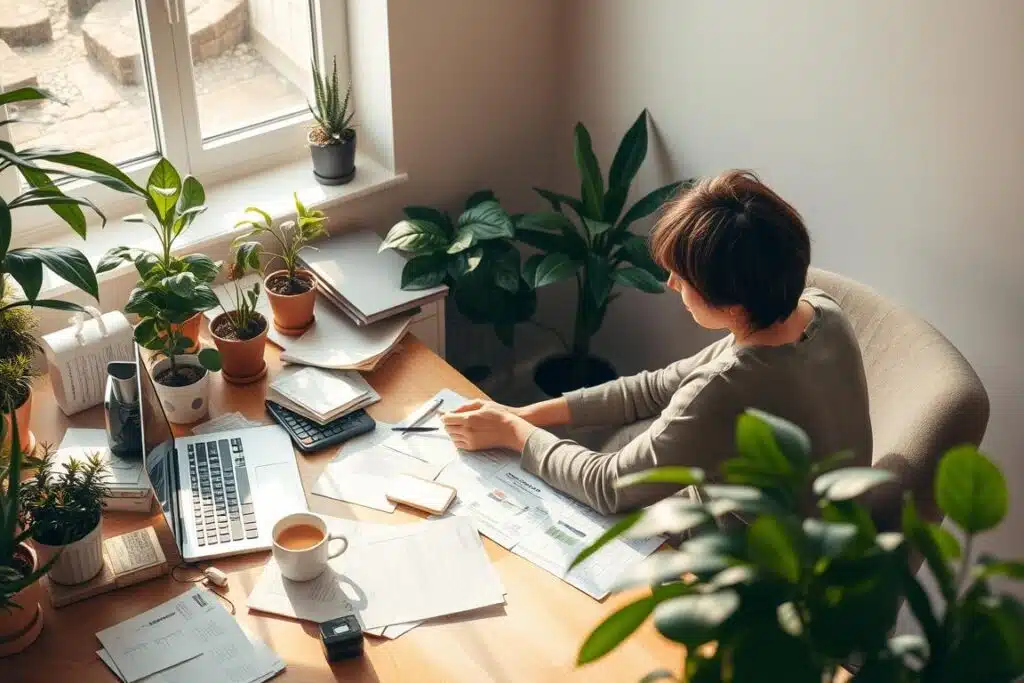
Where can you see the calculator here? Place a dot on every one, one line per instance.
(310, 436)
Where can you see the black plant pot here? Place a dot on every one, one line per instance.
(559, 374)
(334, 164)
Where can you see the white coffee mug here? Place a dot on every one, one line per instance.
(307, 563)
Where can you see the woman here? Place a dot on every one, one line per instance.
(737, 254)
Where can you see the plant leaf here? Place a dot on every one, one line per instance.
(648, 204)
(668, 565)
(619, 625)
(629, 157)
(70, 214)
(591, 182)
(695, 619)
(464, 239)
(990, 566)
(414, 236)
(505, 269)
(487, 221)
(424, 272)
(552, 268)
(428, 214)
(556, 199)
(25, 94)
(105, 172)
(633, 249)
(755, 441)
(828, 539)
(670, 516)
(67, 263)
(946, 541)
(545, 241)
(916, 531)
(209, 358)
(479, 197)
(774, 547)
(971, 489)
(631, 276)
(163, 187)
(682, 476)
(850, 482)
(6, 229)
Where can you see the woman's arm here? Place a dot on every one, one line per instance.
(550, 413)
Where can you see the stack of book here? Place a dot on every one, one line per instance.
(321, 395)
(362, 280)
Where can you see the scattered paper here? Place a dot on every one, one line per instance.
(225, 423)
(318, 600)
(156, 639)
(126, 474)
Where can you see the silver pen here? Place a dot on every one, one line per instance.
(421, 415)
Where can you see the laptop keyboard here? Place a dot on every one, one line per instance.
(222, 504)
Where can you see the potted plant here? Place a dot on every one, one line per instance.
(172, 292)
(291, 290)
(18, 347)
(596, 247)
(474, 256)
(41, 169)
(332, 142)
(241, 333)
(64, 506)
(21, 616)
(790, 597)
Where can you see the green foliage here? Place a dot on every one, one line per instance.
(473, 255)
(332, 112)
(18, 347)
(791, 598)
(64, 503)
(171, 289)
(14, 527)
(589, 237)
(289, 238)
(245, 320)
(42, 169)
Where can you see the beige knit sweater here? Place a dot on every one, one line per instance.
(817, 383)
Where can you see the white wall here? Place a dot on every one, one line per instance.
(896, 128)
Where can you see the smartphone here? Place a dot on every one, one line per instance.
(428, 496)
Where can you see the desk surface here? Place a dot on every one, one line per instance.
(534, 637)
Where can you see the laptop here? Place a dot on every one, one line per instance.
(221, 492)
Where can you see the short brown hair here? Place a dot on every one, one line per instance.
(737, 242)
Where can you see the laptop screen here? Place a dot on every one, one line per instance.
(158, 450)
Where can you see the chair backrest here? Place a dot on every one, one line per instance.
(924, 396)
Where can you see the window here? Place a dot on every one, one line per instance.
(217, 86)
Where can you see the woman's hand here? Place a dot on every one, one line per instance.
(479, 425)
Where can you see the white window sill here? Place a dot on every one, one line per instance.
(270, 190)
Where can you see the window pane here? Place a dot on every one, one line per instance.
(250, 60)
(89, 55)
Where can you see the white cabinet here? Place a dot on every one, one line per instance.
(428, 326)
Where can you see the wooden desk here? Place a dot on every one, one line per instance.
(534, 637)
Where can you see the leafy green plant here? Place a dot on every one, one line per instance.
(289, 238)
(15, 529)
(64, 506)
(171, 289)
(588, 237)
(245, 321)
(332, 113)
(18, 347)
(791, 598)
(473, 255)
(43, 169)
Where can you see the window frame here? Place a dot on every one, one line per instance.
(174, 108)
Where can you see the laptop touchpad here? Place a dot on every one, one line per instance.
(279, 487)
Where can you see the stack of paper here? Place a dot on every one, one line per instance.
(391, 577)
(321, 395)
(362, 280)
(336, 343)
(190, 639)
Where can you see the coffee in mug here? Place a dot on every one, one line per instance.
(302, 546)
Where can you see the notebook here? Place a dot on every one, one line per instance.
(321, 395)
(363, 281)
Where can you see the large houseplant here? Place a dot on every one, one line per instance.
(172, 293)
(42, 171)
(64, 509)
(21, 616)
(291, 290)
(473, 255)
(589, 238)
(240, 332)
(332, 141)
(794, 597)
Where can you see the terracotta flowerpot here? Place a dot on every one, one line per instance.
(184, 404)
(25, 436)
(241, 359)
(293, 313)
(79, 560)
(19, 628)
(190, 328)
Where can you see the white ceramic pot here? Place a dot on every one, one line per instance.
(183, 405)
(78, 561)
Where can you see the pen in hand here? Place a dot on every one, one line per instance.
(415, 430)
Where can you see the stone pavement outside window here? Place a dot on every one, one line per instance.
(88, 54)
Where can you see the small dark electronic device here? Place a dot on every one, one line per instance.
(341, 638)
